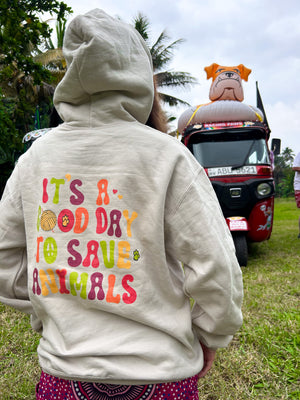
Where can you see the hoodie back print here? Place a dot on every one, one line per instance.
(98, 217)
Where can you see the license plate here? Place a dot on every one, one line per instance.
(238, 225)
(223, 171)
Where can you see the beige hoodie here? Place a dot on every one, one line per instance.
(97, 219)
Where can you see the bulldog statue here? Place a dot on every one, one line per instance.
(227, 81)
(226, 95)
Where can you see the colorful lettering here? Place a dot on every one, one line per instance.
(84, 253)
(57, 183)
(102, 186)
(74, 262)
(102, 222)
(80, 197)
(38, 223)
(62, 280)
(45, 280)
(79, 213)
(35, 286)
(123, 261)
(92, 249)
(129, 220)
(131, 296)
(96, 280)
(39, 240)
(45, 194)
(50, 250)
(110, 298)
(115, 216)
(79, 285)
(109, 263)
(65, 220)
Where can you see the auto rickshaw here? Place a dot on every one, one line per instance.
(237, 160)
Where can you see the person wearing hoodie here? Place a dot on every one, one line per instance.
(108, 228)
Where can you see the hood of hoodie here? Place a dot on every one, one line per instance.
(109, 73)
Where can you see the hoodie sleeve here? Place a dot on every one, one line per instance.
(199, 238)
(13, 258)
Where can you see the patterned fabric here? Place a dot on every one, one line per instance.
(297, 198)
(99, 391)
(51, 387)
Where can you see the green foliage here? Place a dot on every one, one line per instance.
(21, 31)
(53, 59)
(142, 24)
(7, 126)
(283, 173)
(60, 33)
(285, 186)
(162, 52)
(16, 119)
(9, 140)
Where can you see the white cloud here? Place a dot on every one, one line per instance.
(284, 122)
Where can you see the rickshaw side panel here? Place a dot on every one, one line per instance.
(261, 220)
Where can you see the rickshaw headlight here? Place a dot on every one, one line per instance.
(264, 189)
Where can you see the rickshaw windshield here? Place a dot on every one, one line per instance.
(221, 153)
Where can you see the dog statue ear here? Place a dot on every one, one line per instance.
(245, 72)
(210, 71)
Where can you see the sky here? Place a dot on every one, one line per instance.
(264, 35)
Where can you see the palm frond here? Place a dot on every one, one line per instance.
(57, 75)
(50, 56)
(171, 100)
(141, 24)
(49, 45)
(174, 79)
(162, 38)
(60, 32)
(161, 53)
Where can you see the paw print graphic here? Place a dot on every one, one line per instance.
(136, 255)
(65, 221)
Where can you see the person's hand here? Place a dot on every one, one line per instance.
(209, 356)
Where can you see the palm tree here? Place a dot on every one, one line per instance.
(162, 53)
(53, 58)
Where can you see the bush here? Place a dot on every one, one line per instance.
(10, 142)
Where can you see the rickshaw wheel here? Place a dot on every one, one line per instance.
(241, 248)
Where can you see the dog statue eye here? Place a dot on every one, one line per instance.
(237, 71)
(220, 70)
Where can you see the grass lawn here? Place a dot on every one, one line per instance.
(262, 362)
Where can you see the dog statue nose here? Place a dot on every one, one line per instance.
(229, 74)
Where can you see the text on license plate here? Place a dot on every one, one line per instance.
(246, 170)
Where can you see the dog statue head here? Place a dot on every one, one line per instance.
(227, 82)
